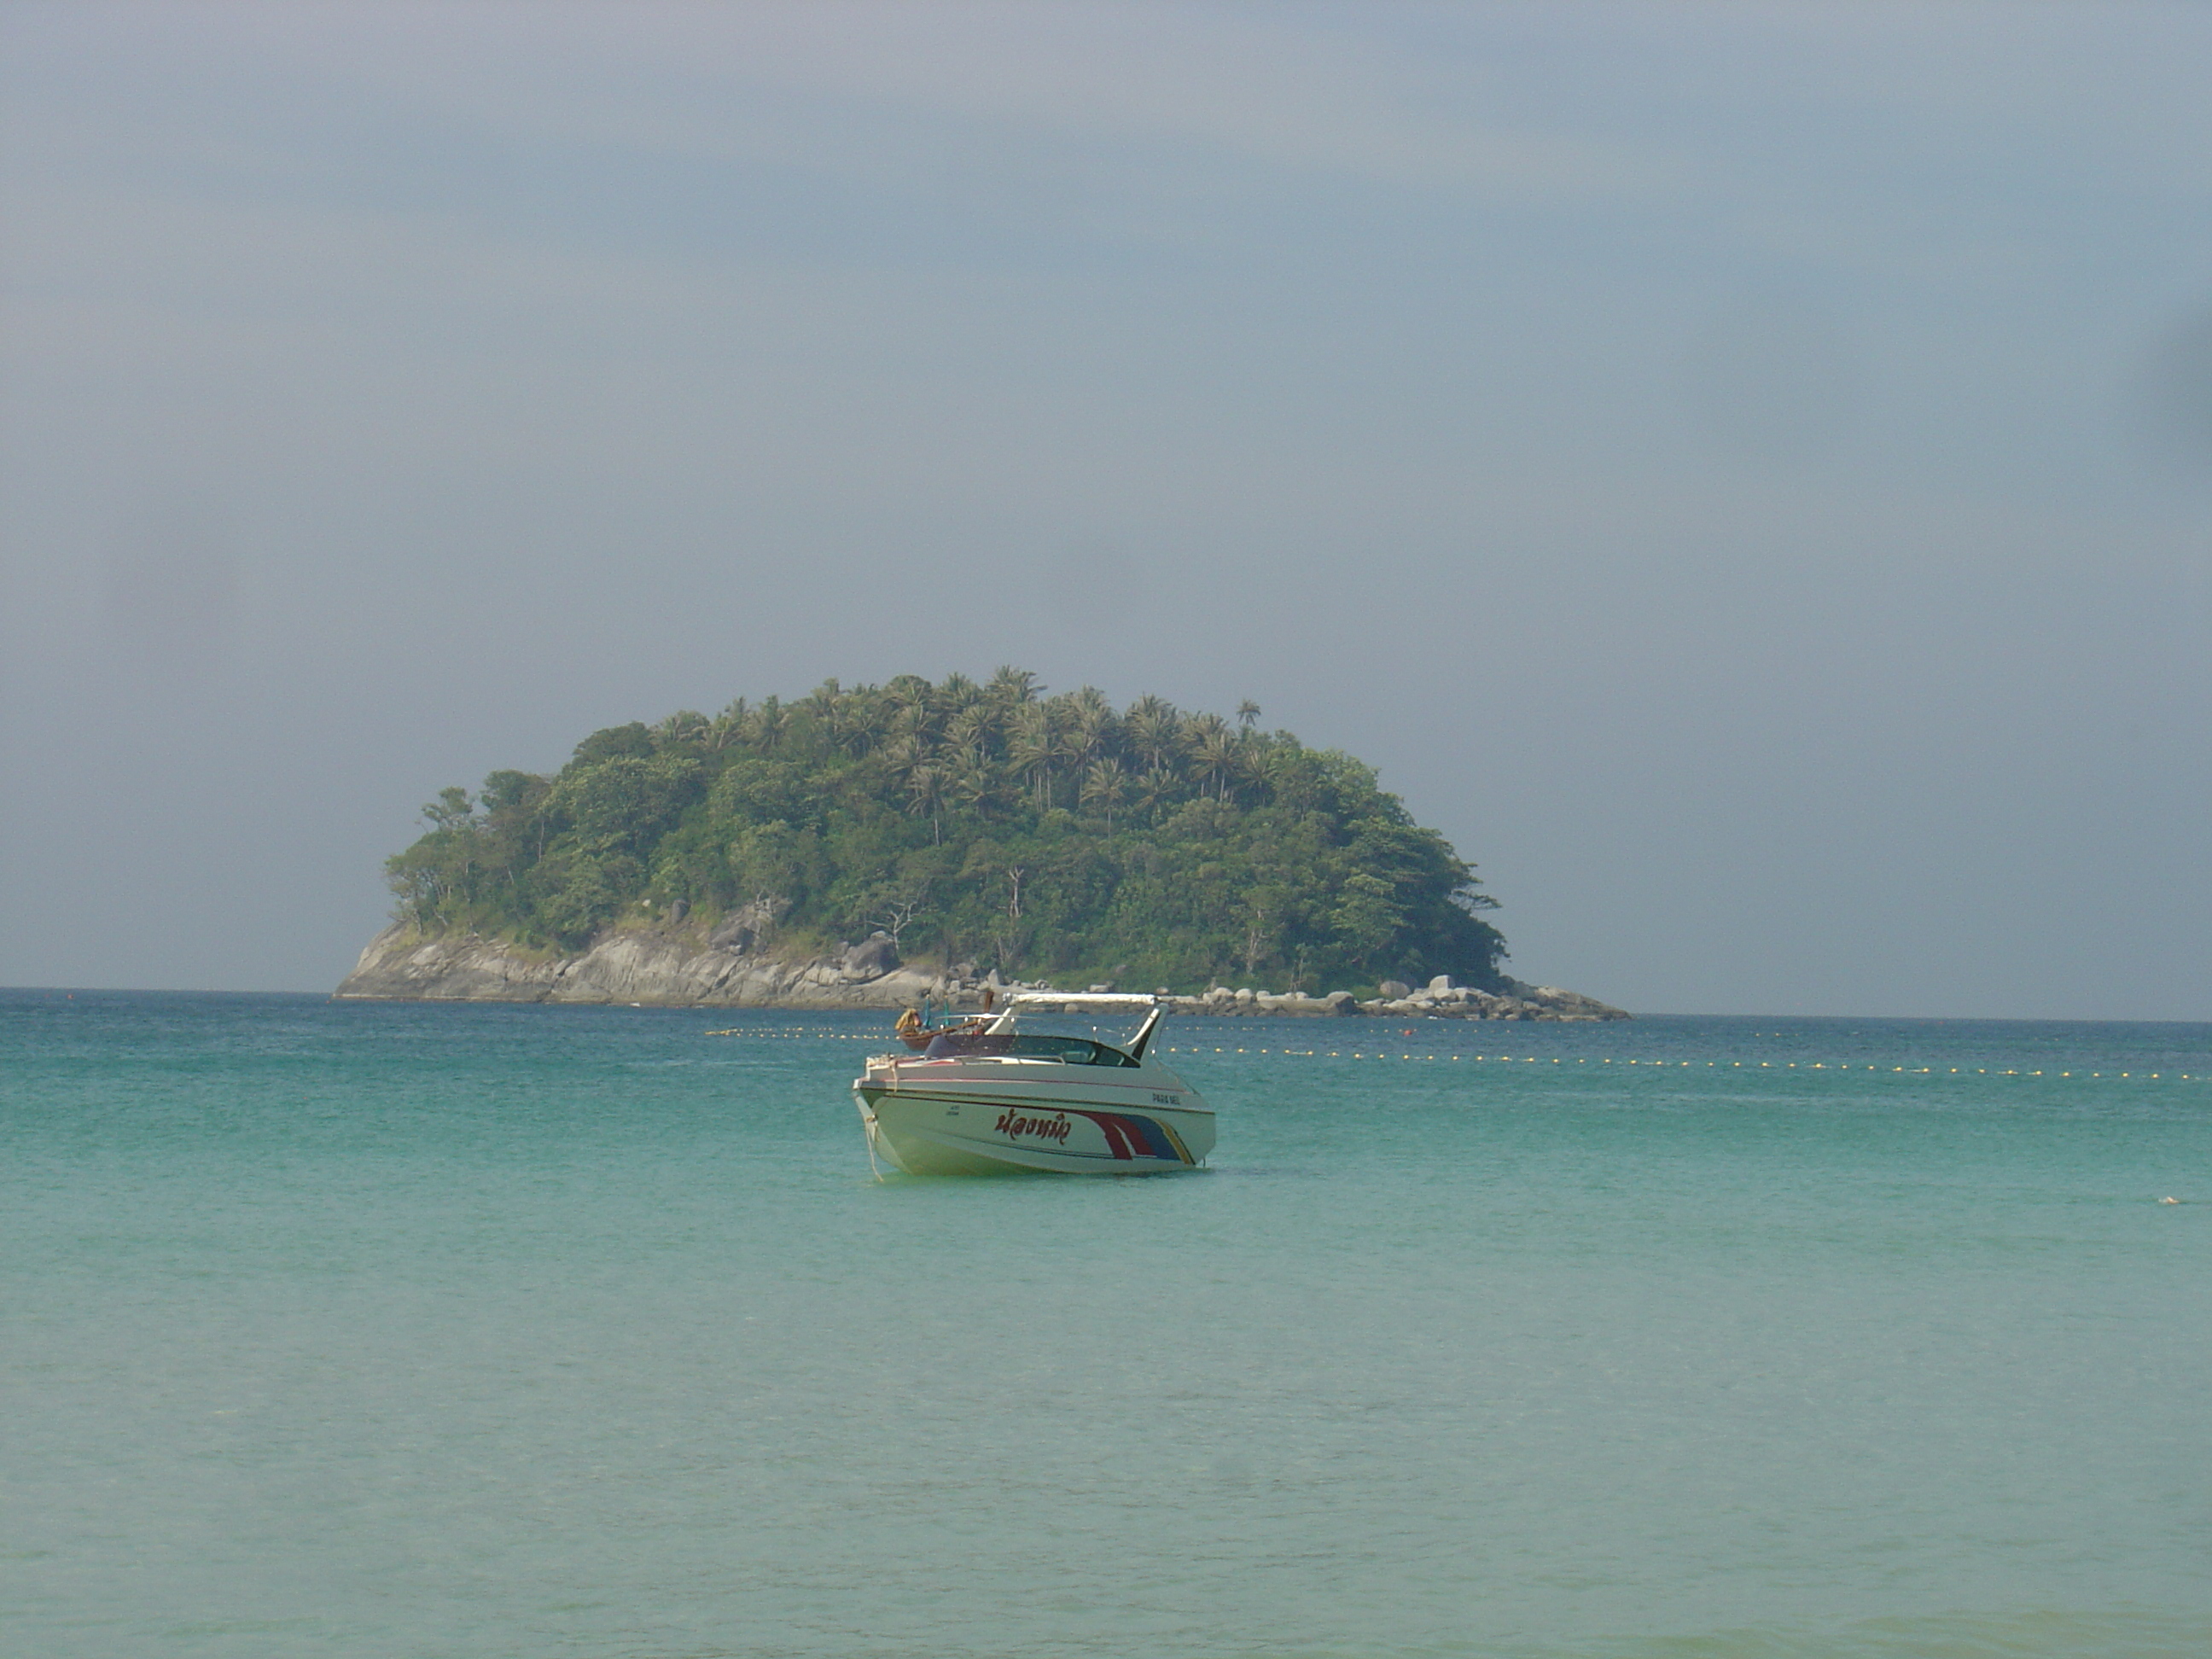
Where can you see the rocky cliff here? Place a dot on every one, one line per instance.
(644, 965)
(1440, 1000)
(673, 967)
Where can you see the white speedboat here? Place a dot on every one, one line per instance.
(1008, 1093)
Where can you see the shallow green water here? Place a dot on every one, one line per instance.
(467, 1331)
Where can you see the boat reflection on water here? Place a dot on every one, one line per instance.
(1007, 1092)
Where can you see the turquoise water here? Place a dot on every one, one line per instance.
(446, 1332)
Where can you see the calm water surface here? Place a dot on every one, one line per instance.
(434, 1332)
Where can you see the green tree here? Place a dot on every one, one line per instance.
(1182, 849)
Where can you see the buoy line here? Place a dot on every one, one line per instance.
(1731, 1065)
(1555, 1059)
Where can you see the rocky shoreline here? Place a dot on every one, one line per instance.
(674, 968)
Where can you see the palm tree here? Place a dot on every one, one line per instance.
(1106, 785)
(865, 717)
(970, 728)
(1155, 786)
(956, 692)
(906, 752)
(769, 724)
(1068, 747)
(908, 720)
(1213, 746)
(1248, 713)
(1090, 725)
(1031, 746)
(974, 782)
(1150, 728)
(684, 725)
(1010, 686)
(837, 716)
(1256, 761)
(727, 727)
(925, 788)
(908, 691)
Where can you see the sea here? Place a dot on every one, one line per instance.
(447, 1332)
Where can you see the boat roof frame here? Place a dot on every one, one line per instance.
(1156, 1007)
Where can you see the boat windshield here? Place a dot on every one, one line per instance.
(1027, 1045)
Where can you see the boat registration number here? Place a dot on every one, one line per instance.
(1167, 1100)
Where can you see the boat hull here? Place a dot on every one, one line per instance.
(955, 1118)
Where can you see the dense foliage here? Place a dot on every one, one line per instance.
(976, 823)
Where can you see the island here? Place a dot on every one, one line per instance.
(871, 846)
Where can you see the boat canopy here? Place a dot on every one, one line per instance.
(1068, 1001)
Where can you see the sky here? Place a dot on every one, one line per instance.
(1743, 472)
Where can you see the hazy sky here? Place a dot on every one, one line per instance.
(1743, 472)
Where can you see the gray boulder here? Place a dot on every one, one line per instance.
(746, 928)
(872, 958)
